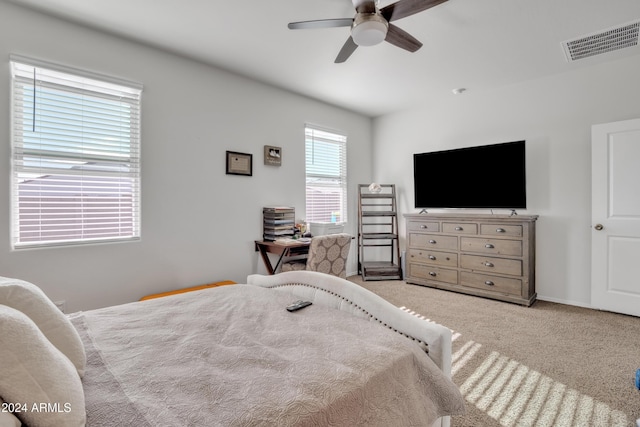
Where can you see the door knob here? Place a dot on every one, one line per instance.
(598, 227)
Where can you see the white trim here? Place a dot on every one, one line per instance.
(565, 302)
(325, 129)
(79, 72)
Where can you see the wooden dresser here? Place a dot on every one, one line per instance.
(486, 255)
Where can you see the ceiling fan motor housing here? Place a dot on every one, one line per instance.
(369, 29)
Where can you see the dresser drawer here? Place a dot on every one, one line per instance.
(433, 241)
(501, 230)
(493, 265)
(459, 228)
(503, 285)
(433, 273)
(491, 246)
(430, 257)
(432, 227)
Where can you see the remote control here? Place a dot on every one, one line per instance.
(298, 305)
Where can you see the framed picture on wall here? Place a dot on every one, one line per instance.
(239, 163)
(272, 155)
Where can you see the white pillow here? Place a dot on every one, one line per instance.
(7, 419)
(29, 299)
(34, 372)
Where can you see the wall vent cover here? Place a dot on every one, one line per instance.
(619, 37)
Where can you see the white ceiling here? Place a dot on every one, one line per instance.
(476, 44)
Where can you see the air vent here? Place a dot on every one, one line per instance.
(601, 42)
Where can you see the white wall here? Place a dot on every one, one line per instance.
(198, 224)
(554, 115)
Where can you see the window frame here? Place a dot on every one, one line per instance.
(109, 160)
(331, 177)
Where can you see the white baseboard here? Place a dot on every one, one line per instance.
(565, 302)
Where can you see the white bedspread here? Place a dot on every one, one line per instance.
(233, 356)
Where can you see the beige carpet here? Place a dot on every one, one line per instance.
(546, 365)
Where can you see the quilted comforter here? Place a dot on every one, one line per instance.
(234, 356)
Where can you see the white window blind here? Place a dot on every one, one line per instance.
(75, 156)
(326, 174)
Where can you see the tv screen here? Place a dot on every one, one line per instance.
(488, 176)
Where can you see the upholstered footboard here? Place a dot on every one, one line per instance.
(347, 296)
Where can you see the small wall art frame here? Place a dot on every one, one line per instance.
(239, 163)
(272, 155)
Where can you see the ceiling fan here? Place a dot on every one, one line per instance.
(372, 26)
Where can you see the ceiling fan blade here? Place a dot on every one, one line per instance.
(321, 23)
(399, 37)
(404, 8)
(365, 6)
(347, 49)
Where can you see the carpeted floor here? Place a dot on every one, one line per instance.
(546, 365)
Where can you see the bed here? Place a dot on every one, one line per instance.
(225, 356)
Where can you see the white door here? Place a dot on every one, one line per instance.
(615, 215)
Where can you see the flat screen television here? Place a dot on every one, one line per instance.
(487, 176)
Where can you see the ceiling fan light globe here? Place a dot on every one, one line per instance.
(369, 32)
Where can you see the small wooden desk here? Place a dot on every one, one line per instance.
(266, 247)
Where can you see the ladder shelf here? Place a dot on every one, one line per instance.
(377, 230)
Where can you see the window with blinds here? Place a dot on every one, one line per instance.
(326, 175)
(75, 156)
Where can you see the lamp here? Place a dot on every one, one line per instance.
(369, 29)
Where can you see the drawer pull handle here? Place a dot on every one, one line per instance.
(488, 264)
(489, 283)
(432, 274)
(489, 246)
(432, 258)
(500, 230)
(423, 226)
(459, 228)
(433, 242)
